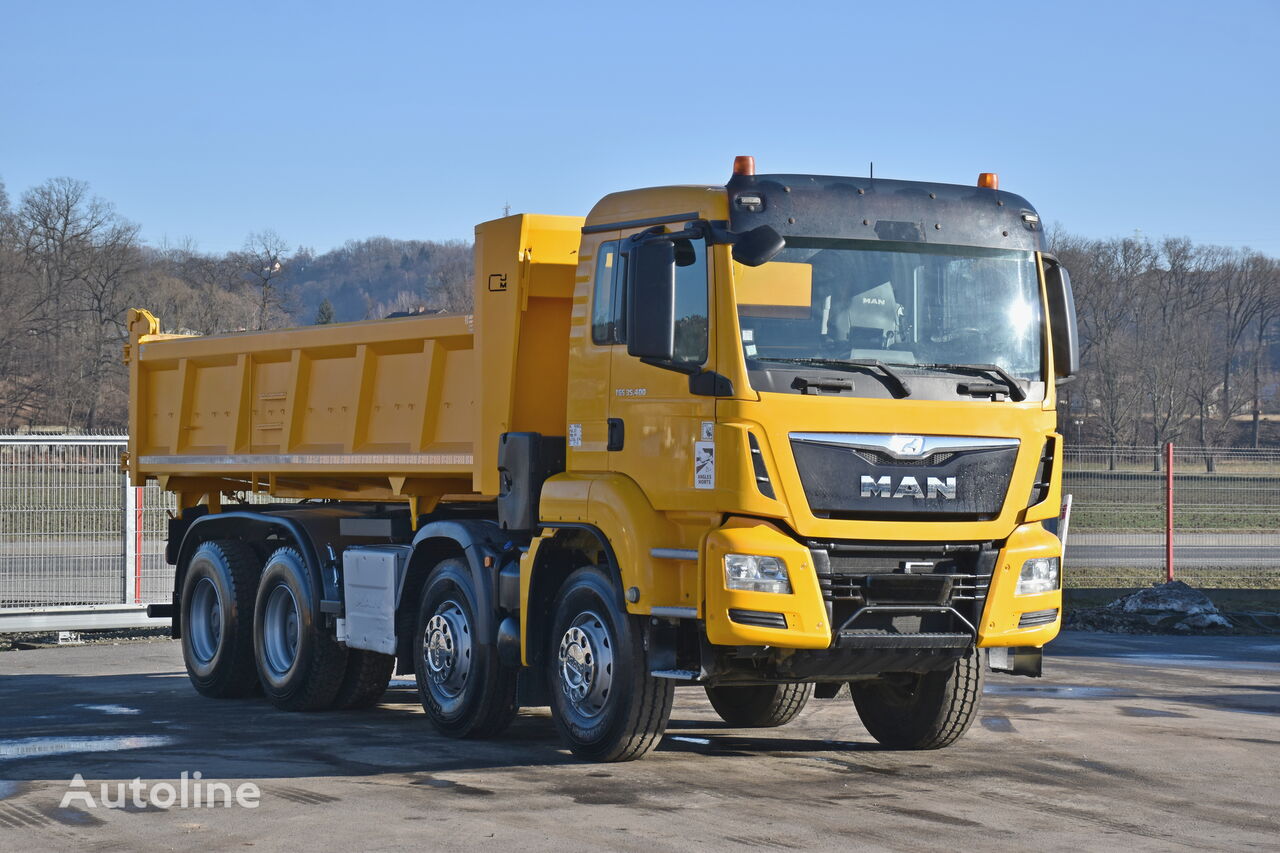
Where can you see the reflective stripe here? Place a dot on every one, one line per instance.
(673, 554)
(674, 612)
(267, 460)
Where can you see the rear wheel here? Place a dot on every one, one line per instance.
(368, 674)
(605, 704)
(759, 706)
(217, 618)
(464, 688)
(921, 710)
(300, 664)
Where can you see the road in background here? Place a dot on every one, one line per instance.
(1141, 743)
(1146, 550)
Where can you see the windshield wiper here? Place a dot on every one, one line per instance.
(896, 382)
(1015, 390)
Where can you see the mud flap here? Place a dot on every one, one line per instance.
(1016, 660)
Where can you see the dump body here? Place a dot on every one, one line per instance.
(402, 409)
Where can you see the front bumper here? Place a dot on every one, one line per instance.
(952, 603)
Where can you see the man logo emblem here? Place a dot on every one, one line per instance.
(935, 488)
(906, 445)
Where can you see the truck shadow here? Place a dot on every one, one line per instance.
(154, 726)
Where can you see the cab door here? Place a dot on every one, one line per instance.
(660, 434)
(591, 354)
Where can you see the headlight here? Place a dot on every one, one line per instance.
(1038, 575)
(757, 574)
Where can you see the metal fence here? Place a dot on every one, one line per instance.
(1226, 516)
(81, 548)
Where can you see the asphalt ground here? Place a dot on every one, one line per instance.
(1134, 743)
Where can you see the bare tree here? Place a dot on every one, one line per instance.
(77, 253)
(1107, 275)
(221, 299)
(102, 299)
(264, 262)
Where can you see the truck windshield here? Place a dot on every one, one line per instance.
(928, 306)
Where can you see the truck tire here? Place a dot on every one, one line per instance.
(606, 705)
(300, 664)
(368, 674)
(217, 618)
(759, 706)
(464, 688)
(921, 711)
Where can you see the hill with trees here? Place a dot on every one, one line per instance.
(1180, 340)
(71, 265)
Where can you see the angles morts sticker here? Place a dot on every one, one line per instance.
(704, 464)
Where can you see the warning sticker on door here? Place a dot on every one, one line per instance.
(704, 465)
(708, 430)
(575, 435)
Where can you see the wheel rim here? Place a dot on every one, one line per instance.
(446, 651)
(281, 630)
(586, 664)
(205, 621)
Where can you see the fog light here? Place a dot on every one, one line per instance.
(1039, 574)
(756, 574)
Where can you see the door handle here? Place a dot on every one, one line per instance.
(617, 434)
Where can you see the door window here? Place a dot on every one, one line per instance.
(609, 300)
(605, 312)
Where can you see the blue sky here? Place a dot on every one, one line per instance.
(328, 121)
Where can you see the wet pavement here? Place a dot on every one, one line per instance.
(1145, 743)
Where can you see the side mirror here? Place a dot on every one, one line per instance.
(651, 300)
(1062, 319)
(758, 246)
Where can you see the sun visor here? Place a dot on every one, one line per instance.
(845, 208)
(775, 289)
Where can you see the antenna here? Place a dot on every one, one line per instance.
(506, 209)
(872, 175)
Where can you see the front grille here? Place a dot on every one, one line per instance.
(876, 457)
(879, 588)
(842, 481)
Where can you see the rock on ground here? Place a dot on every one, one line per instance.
(1166, 608)
(1165, 599)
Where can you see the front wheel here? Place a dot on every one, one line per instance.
(464, 688)
(606, 705)
(759, 706)
(905, 710)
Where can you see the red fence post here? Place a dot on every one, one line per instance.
(1168, 512)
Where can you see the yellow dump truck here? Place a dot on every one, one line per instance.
(765, 438)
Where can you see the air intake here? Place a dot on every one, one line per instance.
(758, 618)
(1038, 617)
(763, 483)
(1044, 475)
